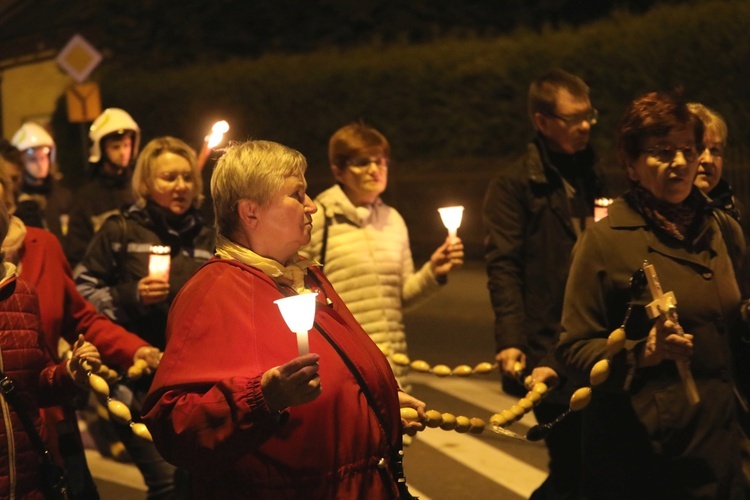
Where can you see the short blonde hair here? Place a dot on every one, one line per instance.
(143, 179)
(253, 170)
(712, 120)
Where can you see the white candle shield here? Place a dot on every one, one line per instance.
(452, 219)
(159, 262)
(298, 312)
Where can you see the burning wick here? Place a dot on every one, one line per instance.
(451, 219)
(298, 312)
(159, 262)
(211, 141)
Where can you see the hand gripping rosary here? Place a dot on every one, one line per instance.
(663, 305)
(100, 382)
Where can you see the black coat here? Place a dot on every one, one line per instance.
(108, 277)
(530, 236)
(642, 439)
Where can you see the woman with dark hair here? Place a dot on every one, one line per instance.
(642, 437)
(364, 243)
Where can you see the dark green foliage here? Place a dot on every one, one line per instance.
(446, 104)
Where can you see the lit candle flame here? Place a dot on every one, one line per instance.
(217, 133)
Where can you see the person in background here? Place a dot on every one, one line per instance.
(364, 243)
(42, 201)
(711, 163)
(12, 163)
(115, 274)
(114, 138)
(642, 437)
(65, 315)
(534, 212)
(36, 379)
(234, 401)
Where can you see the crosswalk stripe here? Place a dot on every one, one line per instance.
(496, 465)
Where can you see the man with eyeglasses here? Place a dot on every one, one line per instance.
(534, 211)
(42, 201)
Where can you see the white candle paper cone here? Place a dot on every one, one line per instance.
(298, 312)
(451, 219)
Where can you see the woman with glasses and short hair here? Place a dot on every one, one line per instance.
(642, 437)
(364, 243)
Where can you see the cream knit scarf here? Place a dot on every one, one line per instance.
(11, 246)
(292, 274)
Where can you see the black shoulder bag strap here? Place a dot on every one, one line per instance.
(54, 476)
(396, 462)
(324, 246)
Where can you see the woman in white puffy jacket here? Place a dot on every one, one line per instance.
(364, 243)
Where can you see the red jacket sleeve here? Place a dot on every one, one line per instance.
(116, 345)
(195, 426)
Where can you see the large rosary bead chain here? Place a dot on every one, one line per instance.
(99, 383)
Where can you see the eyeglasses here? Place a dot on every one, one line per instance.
(666, 153)
(362, 163)
(716, 151)
(591, 116)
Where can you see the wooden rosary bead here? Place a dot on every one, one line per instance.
(483, 368)
(99, 386)
(449, 422)
(420, 366)
(616, 341)
(434, 418)
(141, 430)
(463, 424)
(400, 359)
(462, 370)
(441, 370)
(409, 414)
(477, 425)
(580, 399)
(599, 372)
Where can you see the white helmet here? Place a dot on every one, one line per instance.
(112, 121)
(31, 135)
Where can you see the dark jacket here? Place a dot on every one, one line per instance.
(647, 429)
(530, 236)
(46, 206)
(95, 201)
(108, 275)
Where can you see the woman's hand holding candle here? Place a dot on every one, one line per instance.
(294, 383)
(152, 290)
(449, 255)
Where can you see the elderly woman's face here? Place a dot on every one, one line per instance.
(285, 224)
(173, 183)
(667, 165)
(710, 162)
(364, 177)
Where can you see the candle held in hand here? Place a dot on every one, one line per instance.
(159, 262)
(298, 312)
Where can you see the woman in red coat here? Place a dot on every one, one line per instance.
(65, 314)
(37, 381)
(233, 402)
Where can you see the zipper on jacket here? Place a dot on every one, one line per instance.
(11, 440)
